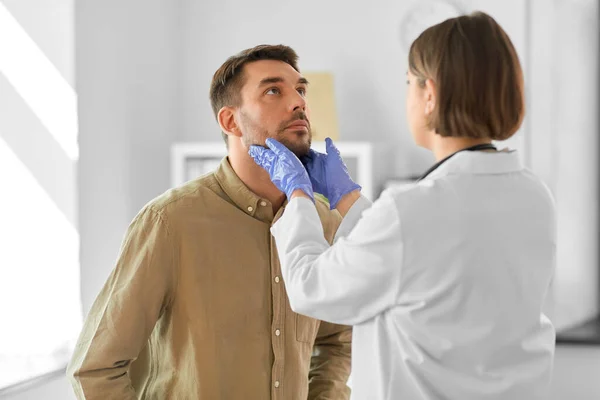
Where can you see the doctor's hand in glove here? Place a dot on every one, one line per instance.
(324, 173)
(284, 168)
(328, 174)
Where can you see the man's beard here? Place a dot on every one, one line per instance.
(255, 135)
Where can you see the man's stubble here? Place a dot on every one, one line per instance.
(256, 135)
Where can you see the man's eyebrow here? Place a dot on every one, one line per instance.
(277, 79)
(270, 80)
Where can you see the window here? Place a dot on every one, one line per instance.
(40, 302)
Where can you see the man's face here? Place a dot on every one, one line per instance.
(274, 106)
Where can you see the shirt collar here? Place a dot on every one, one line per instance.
(242, 197)
(479, 163)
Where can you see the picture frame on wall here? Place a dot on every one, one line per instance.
(192, 160)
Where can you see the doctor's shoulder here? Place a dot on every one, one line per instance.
(415, 193)
(537, 198)
(540, 187)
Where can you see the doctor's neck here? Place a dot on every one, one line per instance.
(443, 147)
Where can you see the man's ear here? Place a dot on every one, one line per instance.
(430, 93)
(227, 122)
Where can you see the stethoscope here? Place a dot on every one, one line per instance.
(477, 147)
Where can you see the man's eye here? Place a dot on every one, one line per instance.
(273, 91)
(302, 92)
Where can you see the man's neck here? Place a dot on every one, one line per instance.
(254, 176)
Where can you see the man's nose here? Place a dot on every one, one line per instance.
(298, 102)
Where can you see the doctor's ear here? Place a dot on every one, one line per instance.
(228, 123)
(430, 94)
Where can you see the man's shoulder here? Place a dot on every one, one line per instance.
(200, 191)
(331, 219)
(323, 209)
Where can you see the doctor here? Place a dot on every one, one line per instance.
(444, 282)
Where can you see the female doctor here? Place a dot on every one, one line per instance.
(443, 281)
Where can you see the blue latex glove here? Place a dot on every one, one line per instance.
(284, 168)
(328, 174)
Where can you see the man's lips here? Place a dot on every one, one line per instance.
(298, 124)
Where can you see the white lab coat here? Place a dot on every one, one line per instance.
(443, 282)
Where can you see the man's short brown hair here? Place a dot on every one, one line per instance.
(478, 77)
(227, 82)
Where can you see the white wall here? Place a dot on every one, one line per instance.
(46, 255)
(564, 144)
(50, 25)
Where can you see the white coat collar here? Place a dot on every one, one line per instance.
(479, 163)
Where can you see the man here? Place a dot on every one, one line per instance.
(195, 307)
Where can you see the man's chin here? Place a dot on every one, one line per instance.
(300, 147)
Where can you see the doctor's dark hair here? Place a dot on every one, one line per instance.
(228, 80)
(477, 75)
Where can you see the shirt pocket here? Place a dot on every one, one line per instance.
(306, 329)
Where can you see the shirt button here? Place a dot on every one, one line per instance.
(276, 279)
(263, 203)
(277, 332)
(276, 384)
(250, 209)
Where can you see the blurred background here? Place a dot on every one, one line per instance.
(102, 101)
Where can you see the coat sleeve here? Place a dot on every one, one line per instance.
(351, 281)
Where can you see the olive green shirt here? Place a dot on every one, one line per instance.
(195, 308)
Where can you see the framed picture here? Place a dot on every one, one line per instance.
(192, 160)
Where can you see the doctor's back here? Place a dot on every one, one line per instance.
(473, 242)
(479, 254)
